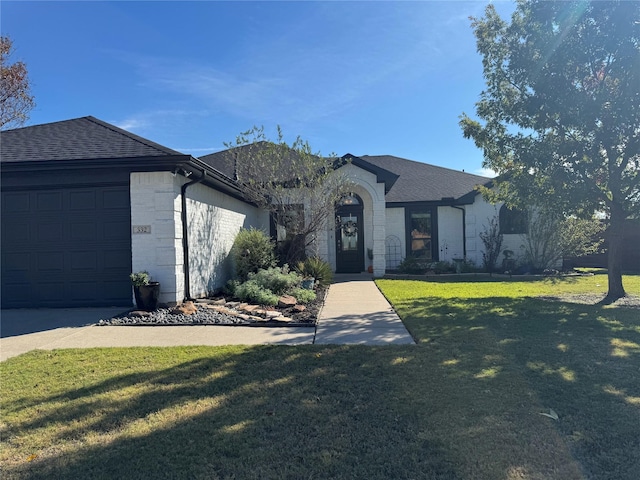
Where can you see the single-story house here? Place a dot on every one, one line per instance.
(85, 203)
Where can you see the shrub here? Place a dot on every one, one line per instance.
(317, 268)
(551, 237)
(492, 240)
(303, 295)
(413, 265)
(469, 267)
(251, 292)
(277, 280)
(442, 267)
(140, 279)
(230, 287)
(251, 251)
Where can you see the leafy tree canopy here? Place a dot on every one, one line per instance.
(298, 186)
(16, 100)
(559, 120)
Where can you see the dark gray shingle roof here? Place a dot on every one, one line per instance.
(78, 139)
(225, 160)
(416, 182)
(421, 182)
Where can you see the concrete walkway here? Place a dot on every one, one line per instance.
(355, 312)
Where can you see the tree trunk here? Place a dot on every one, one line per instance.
(614, 269)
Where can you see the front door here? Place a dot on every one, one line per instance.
(349, 236)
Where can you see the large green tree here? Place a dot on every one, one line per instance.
(559, 120)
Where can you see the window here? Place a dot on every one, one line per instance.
(421, 233)
(288, 218)
(284, 223)
(513, 221)
(349, 199)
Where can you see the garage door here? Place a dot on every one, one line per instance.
(66, 247)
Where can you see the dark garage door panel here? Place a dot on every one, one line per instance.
(66, 247)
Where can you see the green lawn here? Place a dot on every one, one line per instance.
(464, 403)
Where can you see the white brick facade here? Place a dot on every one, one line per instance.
(450, 241)
(478, 216)
(396, 239)
(213, 218)
(155, 203)
(366, 186)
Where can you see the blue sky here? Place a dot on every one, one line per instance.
(367, 78)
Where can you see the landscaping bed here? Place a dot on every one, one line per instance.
(220, 311)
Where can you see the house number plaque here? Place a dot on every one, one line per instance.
(141, 228)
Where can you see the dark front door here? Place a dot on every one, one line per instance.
(349, 239)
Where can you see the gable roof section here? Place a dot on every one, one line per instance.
(382, 175)
(421, 182)
(405, 180)
(225, 162)
(93, 149)
(82, 138)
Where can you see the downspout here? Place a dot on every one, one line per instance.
(185, 233)
(464, 230)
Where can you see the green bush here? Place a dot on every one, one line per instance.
(317, 268)
(442, 267)
(230, 287)
(469, 267)
(413, 265)
(140, 279)
(251, 292)
(492, 241)
(304, 295)
(277, 280)
(251, 251)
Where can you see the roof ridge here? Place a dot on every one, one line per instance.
(42, 124)
(424, 163)
(132, 136)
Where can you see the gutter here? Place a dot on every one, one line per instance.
(464, 230)
(185, 232)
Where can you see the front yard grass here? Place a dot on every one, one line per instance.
(465, 403)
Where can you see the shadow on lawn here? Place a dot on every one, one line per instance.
(464, 403)
(265, 412)
(580, 360)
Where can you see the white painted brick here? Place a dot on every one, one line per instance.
(214, 220)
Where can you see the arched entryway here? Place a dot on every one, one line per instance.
(349, 235)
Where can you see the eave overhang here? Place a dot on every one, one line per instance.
(179, 164)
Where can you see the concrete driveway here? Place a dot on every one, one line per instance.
(24, 330)
(355, 312)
